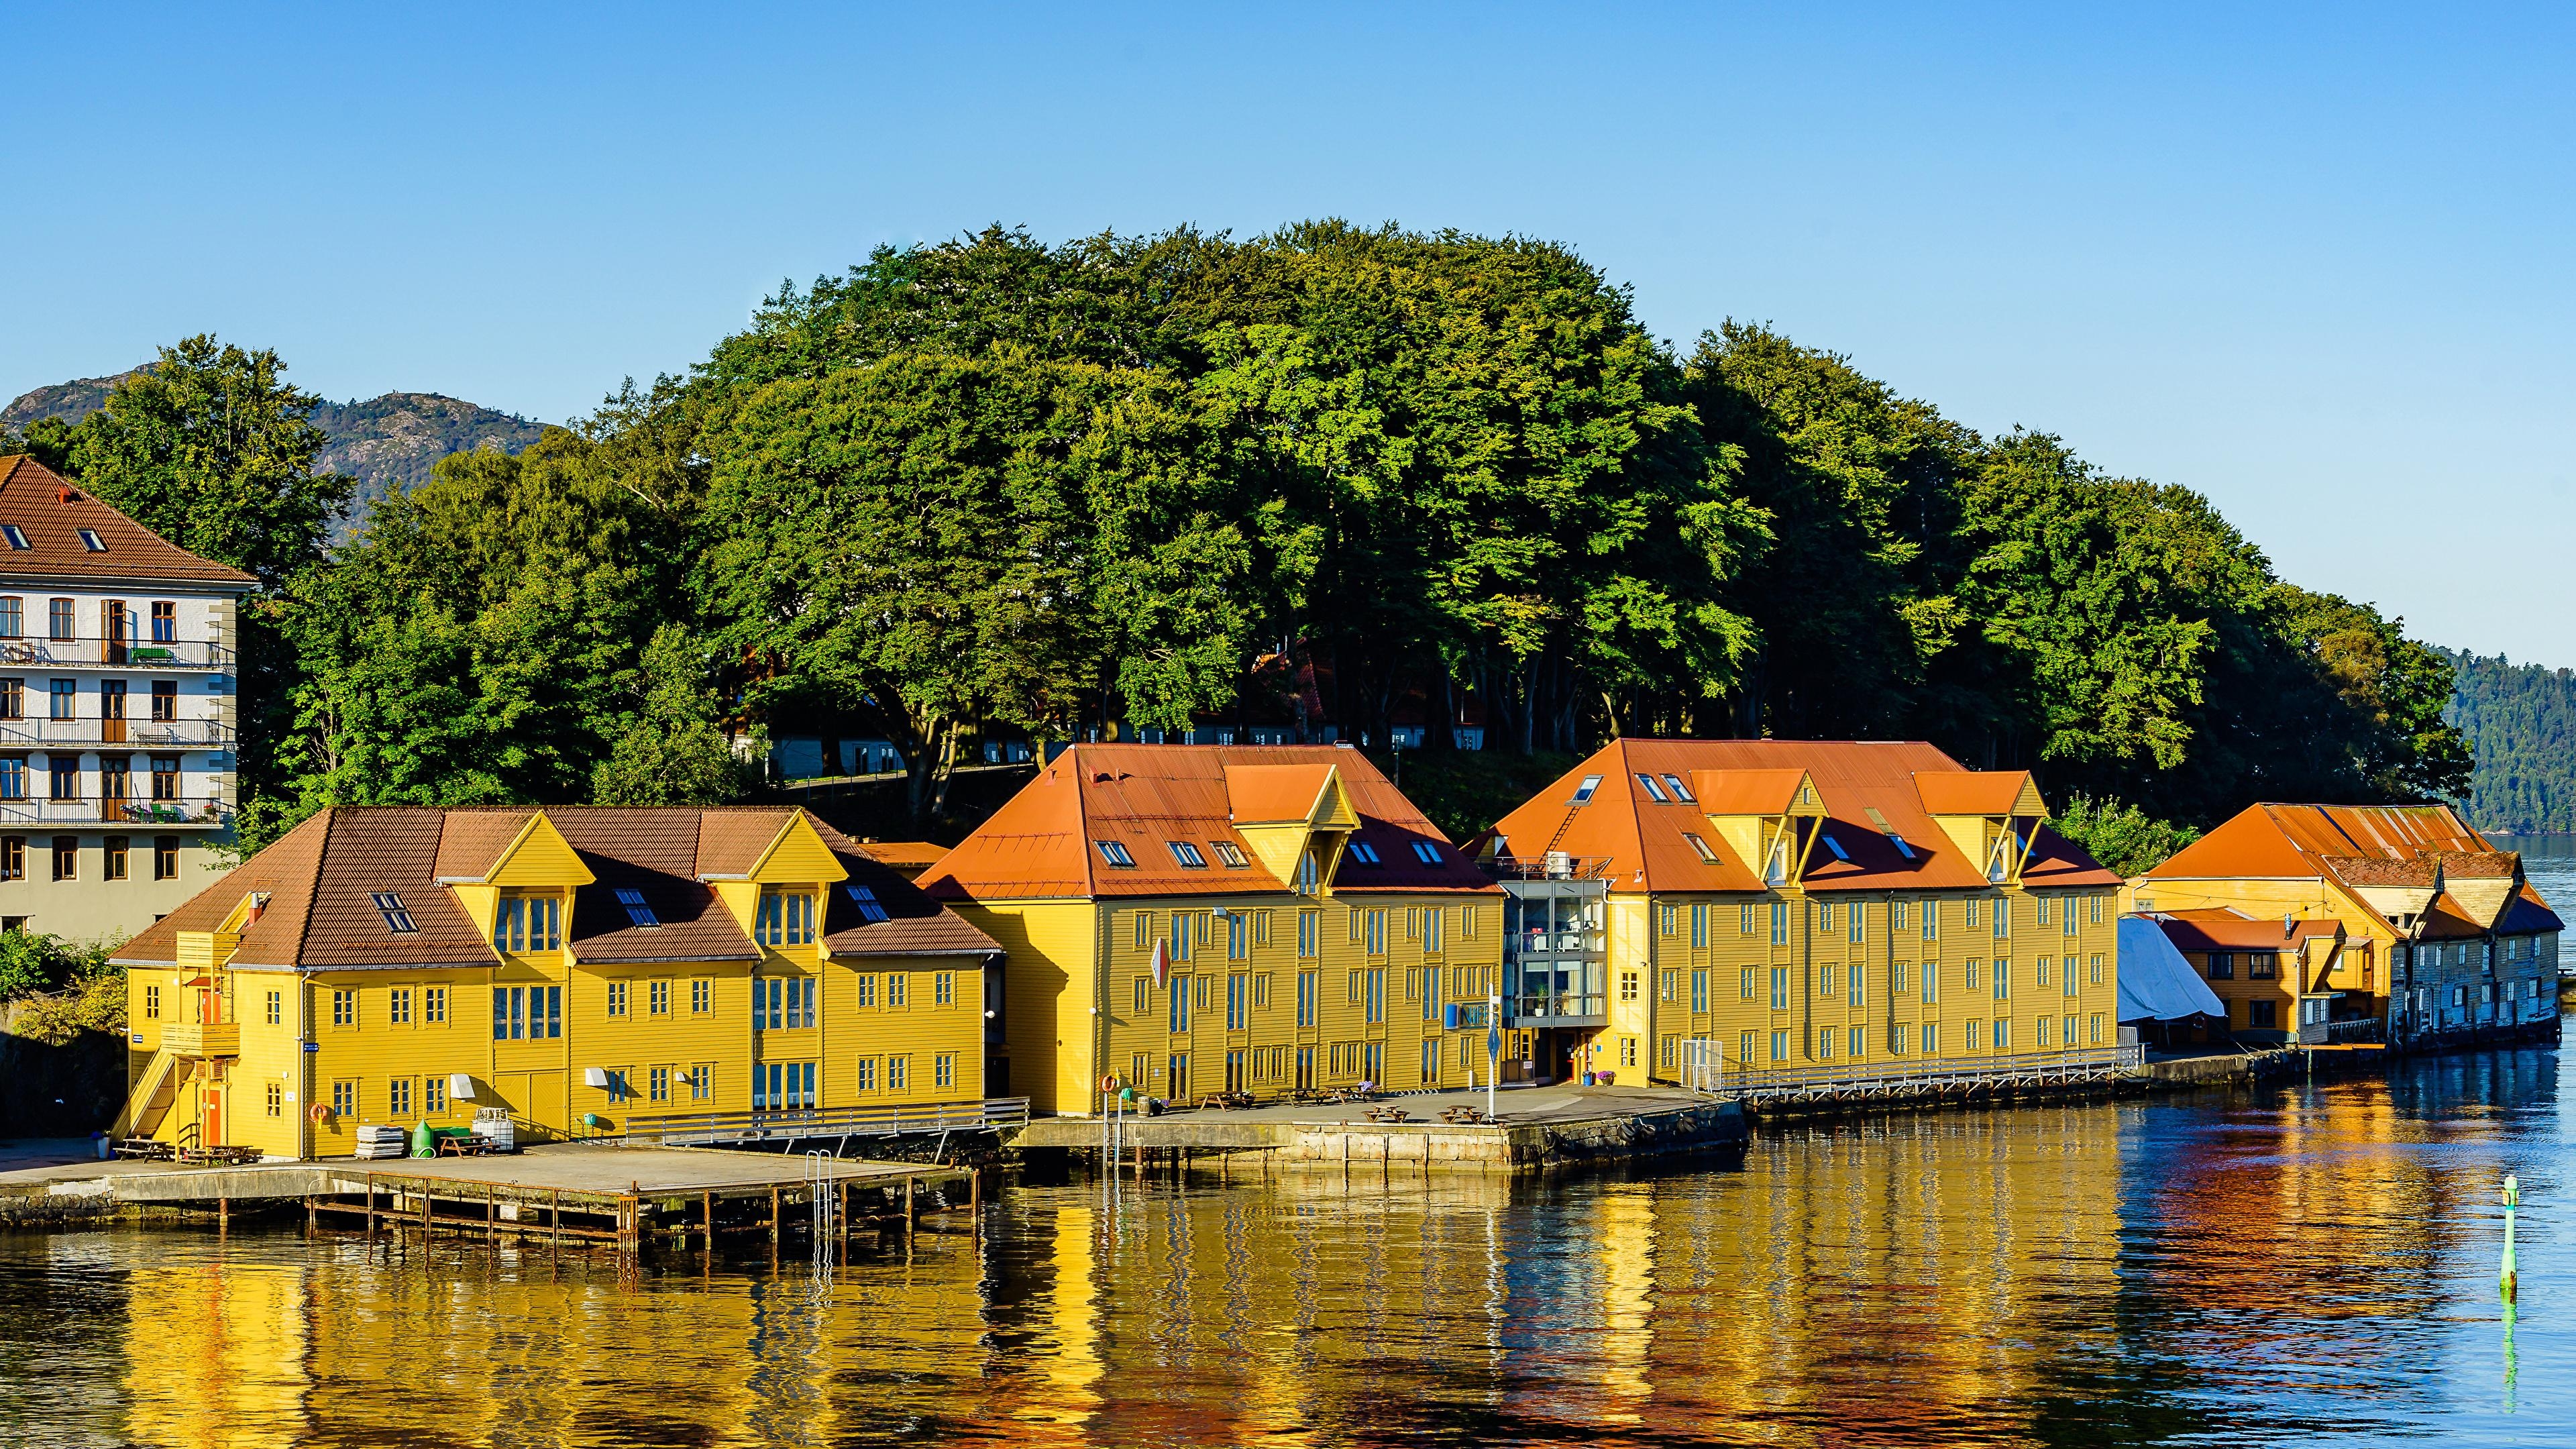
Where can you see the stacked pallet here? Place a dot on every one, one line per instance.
(383, 1141)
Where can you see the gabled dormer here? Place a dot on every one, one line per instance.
(1295, 819)
(1989, 816)
(521, 898)
(774, 888)
(2483, 882)
(1769, 818)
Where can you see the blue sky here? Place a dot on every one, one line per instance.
(2313, 263)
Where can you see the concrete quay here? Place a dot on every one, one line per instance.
(1540, 1128)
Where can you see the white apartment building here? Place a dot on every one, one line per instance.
(117, 713)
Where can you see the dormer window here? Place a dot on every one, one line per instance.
(1680, 791)
(397, 917)
(639, 911)
(1365, 853)
(1583, 792)
(1654, 791)
(17, 536)
(528, 923)
(785, 918)
(1232, 854)
(1700, 848)
(1115, 852)
(90, 540)
(865, 899)
(1188, 855)
(1426, 852)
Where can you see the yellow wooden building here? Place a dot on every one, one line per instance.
(2394, 922)
(1682, 908)
(573, 969)
(1187, 919)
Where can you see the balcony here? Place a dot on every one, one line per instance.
(150, 814)
(1555, 865)
(193, 656)
(202, 1039)
(140, 734)
(1542, 1009)
(1591, 943)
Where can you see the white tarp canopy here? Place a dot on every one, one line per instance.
(2156, 982)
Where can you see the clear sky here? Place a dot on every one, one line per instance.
(2313, 263)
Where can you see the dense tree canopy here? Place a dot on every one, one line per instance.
(997, 486)
(2523, 717)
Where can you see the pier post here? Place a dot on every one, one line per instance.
(554, 1214)
(491, 1213)
(773, 1220)
(425, 1223)
(371, 1205)
(975, 1199)
(907, 1208)
(312, 1216)
(706, 1221)
(223, 1213)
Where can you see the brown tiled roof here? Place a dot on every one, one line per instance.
(322, 876)
(915, 925)
(2224, 928)
(1868, 789)
(51, 511)
(730, 840)
(2361, 870)
(1043, 841)
(2478, 864)
(655, 852)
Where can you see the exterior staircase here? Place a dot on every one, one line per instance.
(150, 1098)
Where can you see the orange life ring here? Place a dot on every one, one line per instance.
(319, 1113)
(1109, 1082)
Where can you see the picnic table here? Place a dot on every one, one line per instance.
(145, 1149)
(465, 1146)
(1389, 1114)
(1226, 1101)
(1472, 1116)
(231, 1156)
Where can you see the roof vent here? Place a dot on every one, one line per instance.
(1100, 777)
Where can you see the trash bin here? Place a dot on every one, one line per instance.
(1591, 1079)
(106, 1148)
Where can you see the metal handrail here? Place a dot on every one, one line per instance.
(1571, 867)
(115, 812)
(1898, 1073)
(832, 1121)
(141, 733)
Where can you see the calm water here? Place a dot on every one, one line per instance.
(2548, 862)
(2234, 1268)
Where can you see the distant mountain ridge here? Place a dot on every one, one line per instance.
(385, 443)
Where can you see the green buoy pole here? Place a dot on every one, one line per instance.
(2512, 1200)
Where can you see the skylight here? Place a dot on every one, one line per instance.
(1653, 789)
(90, 540)
(397, 916)
(1115, 852)
(1680, 791)
(865, 898)
(17, 536)
(1836, 847)
(1231, 853)
(1188, 855)
(1705, 854)
(639, 911)
(1902, 848)
(1426, 852)
(1583, 792)
(1365, 853)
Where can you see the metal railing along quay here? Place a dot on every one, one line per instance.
(1898, 1078)
(709, 1128)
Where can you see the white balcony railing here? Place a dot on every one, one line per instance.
(145, 814)
(140, 734)
(87, 652)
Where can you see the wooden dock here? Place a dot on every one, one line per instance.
(589, 1193)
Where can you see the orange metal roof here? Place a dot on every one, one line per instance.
(1746, 792)
(1044, 841)
(1644, 839)
(1970, 792)
(1265, 794)
(2224, 928)
(2284, 841)
(50, 511)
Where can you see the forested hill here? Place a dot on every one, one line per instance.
(2521, 718)
(384, 442)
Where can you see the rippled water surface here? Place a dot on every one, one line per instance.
(2315, 1263)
